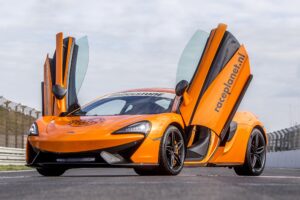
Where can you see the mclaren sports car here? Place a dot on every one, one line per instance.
(155, 131)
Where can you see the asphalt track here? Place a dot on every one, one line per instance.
(192, 183)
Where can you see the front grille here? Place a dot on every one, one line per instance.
(89, 157)
(75, 160)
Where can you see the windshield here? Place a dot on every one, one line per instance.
(129, 104)
(191, 56)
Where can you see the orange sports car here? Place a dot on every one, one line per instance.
(154, 131)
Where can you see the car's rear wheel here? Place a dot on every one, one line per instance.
(47, 171)
(255, 156)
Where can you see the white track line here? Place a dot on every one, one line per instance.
(11, 171)
(268, 184)
(11, 177)
(280, 177)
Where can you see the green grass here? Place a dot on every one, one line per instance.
(13, 167)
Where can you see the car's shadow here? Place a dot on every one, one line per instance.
(100, 176)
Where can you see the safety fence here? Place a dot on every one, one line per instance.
(12, 156)
(284, 139)
(15, 120)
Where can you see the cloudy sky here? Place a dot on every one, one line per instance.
(137, 44)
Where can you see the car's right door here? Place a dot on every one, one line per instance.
(217, 69)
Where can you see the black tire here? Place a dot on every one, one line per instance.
(255, 155)
(172, 152)
(50, 171)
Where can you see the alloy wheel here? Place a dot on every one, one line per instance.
(257, 152)
(175, 150)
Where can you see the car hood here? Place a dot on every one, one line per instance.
(83, 124)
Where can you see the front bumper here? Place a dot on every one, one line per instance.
(119, 156)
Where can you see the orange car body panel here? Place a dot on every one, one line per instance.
(149, 150)
(234, 151)
(77, 134)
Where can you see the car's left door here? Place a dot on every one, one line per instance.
(64, 75)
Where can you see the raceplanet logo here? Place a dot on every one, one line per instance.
(228, 84)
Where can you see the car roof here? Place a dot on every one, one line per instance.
(163, 90)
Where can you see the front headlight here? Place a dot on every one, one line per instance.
(33, 130)
(143, 127)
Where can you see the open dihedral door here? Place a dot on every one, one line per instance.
(63, 75)
(217, 69)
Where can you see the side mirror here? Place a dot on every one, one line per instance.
(181, 87)
(59, 92)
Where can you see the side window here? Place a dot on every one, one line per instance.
(128, 108)
(113, 107)
(82, 61)
(191, 56)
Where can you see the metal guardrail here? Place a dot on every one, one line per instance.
(285, 139)
(12, 156)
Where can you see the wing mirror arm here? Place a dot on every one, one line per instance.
(180, 90)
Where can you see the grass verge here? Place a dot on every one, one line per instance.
(13, 167)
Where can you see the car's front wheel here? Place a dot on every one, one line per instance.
(171, 155)
(172, 152)
(255, 156)
(45, 171)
